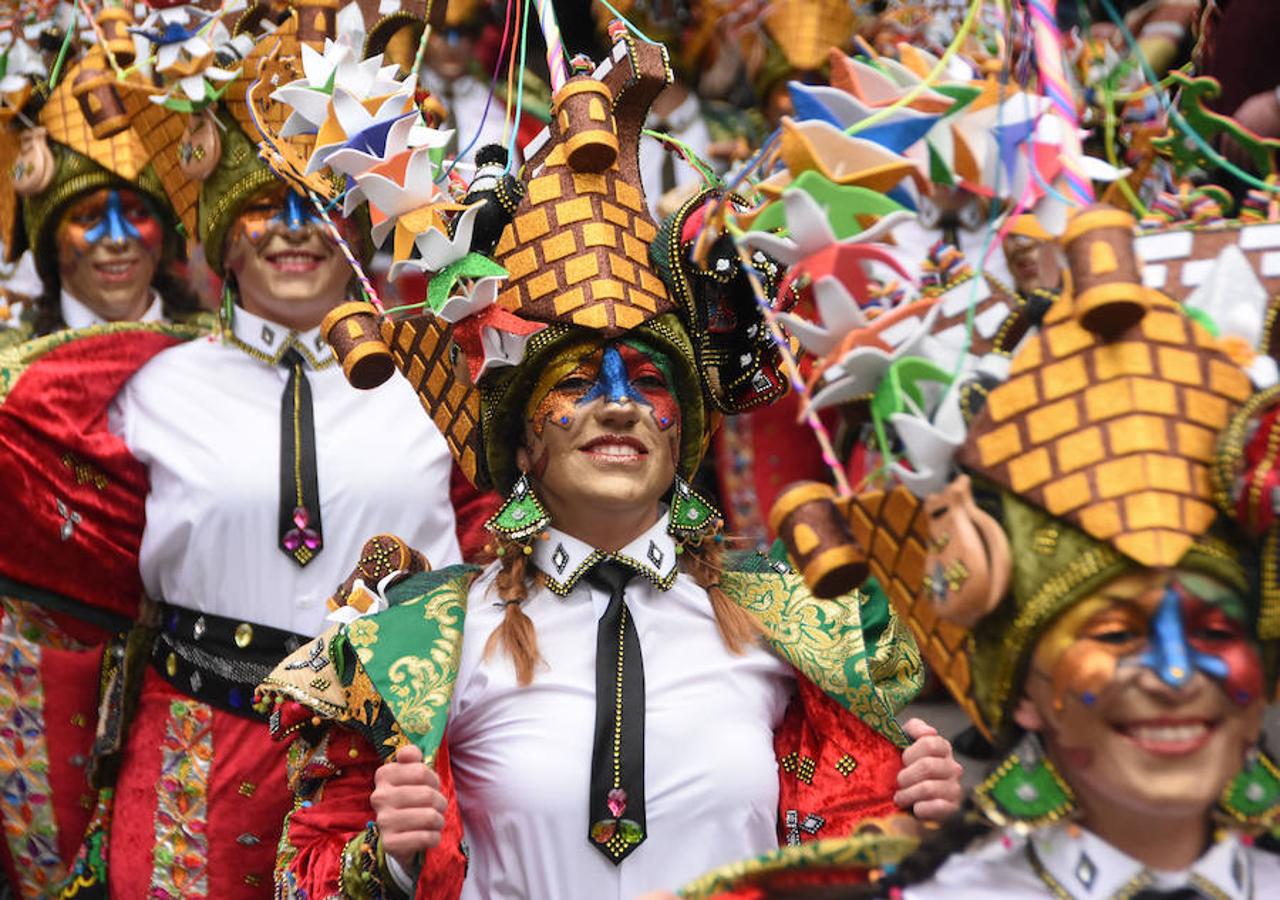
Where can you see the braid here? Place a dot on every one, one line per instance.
(515, 632)
(703, 563)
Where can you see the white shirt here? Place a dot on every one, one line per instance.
(521, 756)
(77, 315)
(1088, 868)
(204, 417)
(684, 123)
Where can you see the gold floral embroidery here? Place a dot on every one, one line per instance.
(362, 634)
(423, 685)
(821, 638)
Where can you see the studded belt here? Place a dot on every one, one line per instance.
(218, 660)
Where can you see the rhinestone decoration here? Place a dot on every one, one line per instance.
(560, 558)
(70, 519)
(198, 629)
(1086, 871)
(655, 554)
(1027, 792)
(812, 823)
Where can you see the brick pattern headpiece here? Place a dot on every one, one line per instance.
(1110, 416)
(93, 129)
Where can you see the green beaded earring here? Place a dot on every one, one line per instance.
(227, 309)
(1252, 799)
(521, 516)
(691, 517)
(1025, 789)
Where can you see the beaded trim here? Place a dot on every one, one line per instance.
(261, 356)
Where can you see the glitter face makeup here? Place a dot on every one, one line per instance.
(1193, 625)
(602, 434)
(281, 210)
(285, 263)
(109, 243)
(1148, 693)
(617, 373)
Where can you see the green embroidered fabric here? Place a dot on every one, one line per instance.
(825, 640)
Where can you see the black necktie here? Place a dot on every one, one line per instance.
(616, 804)
(1183, 893)
(299, 518)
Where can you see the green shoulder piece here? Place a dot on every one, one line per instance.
(858, 856)
(826, 642)
(425, 582)
(15, 359)
(399, 666)
(892, 654)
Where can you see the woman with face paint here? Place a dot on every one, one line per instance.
(105, 248)
(253, 473)
(1114, 630)
(262, 492)
(616, 701)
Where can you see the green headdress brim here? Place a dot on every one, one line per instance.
(75, 175)
(239, 177)
(505, 394)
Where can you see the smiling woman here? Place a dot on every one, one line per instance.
(106, 248)
(616, 703)
(1124, 668)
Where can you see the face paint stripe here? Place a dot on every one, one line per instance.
(1169, 656)
(113, 224)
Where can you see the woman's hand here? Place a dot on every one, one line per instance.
(408, 806)
(929, 783)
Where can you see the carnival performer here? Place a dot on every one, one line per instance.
(258, 471)
(614, 701)
(90, 203)
(1108, 626)
(104, 237)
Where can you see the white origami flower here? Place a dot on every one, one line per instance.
(436, 250)
(337, 66)
(186, 53)
(1235, 300)
(809, 230)
(21, 64)
(399, 186)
